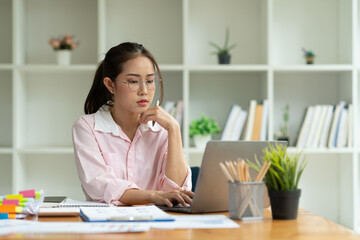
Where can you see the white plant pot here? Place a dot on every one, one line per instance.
(63, 57)
(201, 140)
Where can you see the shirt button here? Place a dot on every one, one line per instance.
(131, 174)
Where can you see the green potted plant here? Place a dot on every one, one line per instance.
(282, 135)
(202, 130)
(309, 56)
(223, 52)
(282, 179)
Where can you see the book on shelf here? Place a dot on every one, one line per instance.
(341, 139)
(175, 109)
(230, 123)
(257, 122)
(250, 121)
(305, 128)
(326, 126)
(264, 120)
(335, 124)
(314, 125)
(320, 126)
(239, 125)
(350, 126)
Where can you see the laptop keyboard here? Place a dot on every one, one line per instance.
(177, 208)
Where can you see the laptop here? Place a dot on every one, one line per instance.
(211, 192)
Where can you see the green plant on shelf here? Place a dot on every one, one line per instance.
(203, 126)
(284, 127)
(226, 48)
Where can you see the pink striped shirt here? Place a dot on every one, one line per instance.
(108, 163)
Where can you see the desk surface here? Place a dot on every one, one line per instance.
(307, 226)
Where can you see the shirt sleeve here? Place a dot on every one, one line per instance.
(166, 184)
(98, 180)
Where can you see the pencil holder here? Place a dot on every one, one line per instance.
(246, 200)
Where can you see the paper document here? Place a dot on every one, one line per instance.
(24, 226)
(196, 221)
(137, 213)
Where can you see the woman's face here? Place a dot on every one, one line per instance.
(135, 86)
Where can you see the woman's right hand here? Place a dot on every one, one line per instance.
(168, 198)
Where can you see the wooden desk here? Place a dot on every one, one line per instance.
(307, 226)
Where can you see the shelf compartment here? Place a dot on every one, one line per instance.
(147, 24)
(214, 93)
(247, 22)
(6, 174)
(37, 167)
(51, 104)
(298, 24)
(295, 90)
(6, 106)
(58, 19)
(328, 176)
(6, 31)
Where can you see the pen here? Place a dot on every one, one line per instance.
(131, 218)
(157, 104)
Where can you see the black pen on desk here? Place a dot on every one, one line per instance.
(157, 104)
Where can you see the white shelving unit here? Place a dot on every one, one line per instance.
(39, 101)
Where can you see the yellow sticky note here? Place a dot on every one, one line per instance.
(15, 196)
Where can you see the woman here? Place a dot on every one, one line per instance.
(126, 151)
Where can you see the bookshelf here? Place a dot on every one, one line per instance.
(40, 101)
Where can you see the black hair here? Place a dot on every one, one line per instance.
(111, 67)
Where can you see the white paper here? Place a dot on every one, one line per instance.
(24, 226)
(196, 221)
(105, 214)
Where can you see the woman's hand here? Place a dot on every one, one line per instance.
(170, 197)
(160, 116)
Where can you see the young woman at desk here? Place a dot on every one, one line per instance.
(127, 152)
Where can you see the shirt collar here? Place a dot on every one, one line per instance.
(104, 122)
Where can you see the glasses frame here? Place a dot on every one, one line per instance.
(142, 82)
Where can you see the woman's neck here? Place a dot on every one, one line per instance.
(128, 122)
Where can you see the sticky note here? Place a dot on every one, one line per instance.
(11, 202)
(37, 195)
(28, 193)
(7, 209)
(15, 196)
(4, 216)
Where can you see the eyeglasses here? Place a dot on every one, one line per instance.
(135, 83)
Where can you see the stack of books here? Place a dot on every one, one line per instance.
(326, 126)
(248, 124)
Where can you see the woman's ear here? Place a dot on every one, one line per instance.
(109, 84)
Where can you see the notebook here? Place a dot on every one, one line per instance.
(124, 214)
(75, 203)
(211, 192)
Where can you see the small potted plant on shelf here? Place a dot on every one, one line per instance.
(282, 180)
(282, 135)
(309, 56)
(202, 130)
(63, 46)
(223, 52)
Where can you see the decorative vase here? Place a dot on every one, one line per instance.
(63, 57)
(201, 140)
(284, 204)
(224, 58)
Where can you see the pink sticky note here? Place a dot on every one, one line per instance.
(28, 193)
(11, 202)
